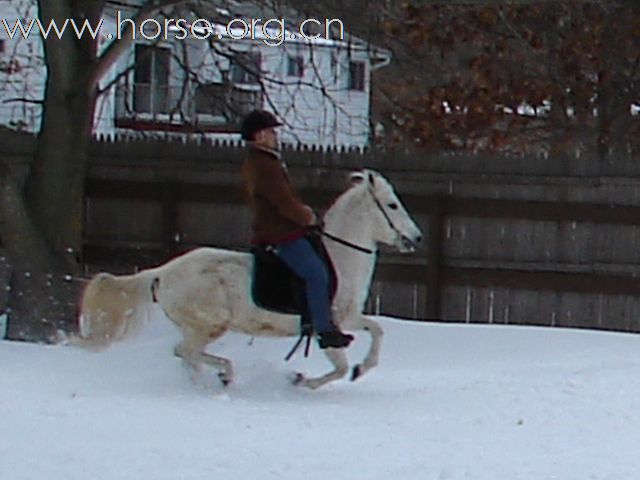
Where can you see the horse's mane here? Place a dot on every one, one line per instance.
(353, 189)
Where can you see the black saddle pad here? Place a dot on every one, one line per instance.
(275, 287)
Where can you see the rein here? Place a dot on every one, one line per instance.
(346, 243)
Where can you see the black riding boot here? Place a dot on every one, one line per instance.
(334, 339)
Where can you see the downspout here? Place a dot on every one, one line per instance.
(386, 60)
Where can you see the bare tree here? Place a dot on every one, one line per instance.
(42, 209)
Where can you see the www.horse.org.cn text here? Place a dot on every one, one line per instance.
(272, 32)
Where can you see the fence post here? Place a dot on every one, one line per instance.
(434, 258)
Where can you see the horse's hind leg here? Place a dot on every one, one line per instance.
(225, 369)
(192, 351)
(339, 359)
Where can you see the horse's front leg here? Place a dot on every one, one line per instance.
(373, 355)
(338, 358)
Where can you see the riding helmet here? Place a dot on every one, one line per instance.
(255, 121)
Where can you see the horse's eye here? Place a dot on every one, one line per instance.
(393, 206)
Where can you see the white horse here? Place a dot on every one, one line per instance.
(207, 291)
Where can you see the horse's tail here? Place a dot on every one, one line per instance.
(111, 306)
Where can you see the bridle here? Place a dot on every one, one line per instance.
(359, 248)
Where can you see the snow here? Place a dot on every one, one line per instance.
(447, 402)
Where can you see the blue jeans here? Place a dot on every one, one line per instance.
(303, 260)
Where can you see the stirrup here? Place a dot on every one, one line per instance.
(307, 332)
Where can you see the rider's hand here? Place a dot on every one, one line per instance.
(313, 218)
(317, 225)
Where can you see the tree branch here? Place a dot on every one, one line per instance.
(23, 100)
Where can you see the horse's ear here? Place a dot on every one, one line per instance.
(356, 178)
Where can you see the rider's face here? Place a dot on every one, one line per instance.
(268, 138)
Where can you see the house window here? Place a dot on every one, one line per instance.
(220, 101)
(210, 99)
(295, 66)
(245, 68)
(356, 76)
(151, 79)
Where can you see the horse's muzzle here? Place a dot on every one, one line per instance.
(408, 245)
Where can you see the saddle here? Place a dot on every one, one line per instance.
(276, 288)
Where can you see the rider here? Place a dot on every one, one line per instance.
(281, 219)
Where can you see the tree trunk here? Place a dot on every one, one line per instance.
(40, 297)
(42, 305)
(43, 222)
(55, 187)
(46, 244)
(43, 300)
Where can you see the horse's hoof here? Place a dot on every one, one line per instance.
(356, 372)
(224, 380)
(297, 378)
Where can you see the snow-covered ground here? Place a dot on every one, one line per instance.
(447, 402)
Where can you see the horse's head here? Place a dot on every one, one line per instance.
(392, 223)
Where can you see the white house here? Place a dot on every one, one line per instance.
(174, 82)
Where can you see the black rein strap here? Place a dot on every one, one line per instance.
(348, 244)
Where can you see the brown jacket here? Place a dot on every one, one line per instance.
(278, 213)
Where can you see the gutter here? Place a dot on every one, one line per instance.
(386, 60)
